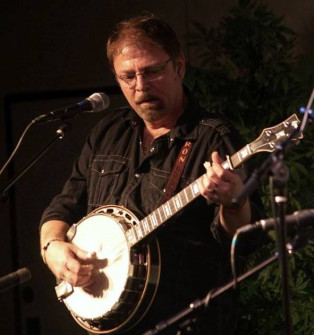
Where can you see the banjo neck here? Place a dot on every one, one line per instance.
(266, 142)
(171, 207)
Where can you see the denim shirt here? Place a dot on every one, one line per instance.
(113, 170)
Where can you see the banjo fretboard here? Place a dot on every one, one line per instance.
(267, 141)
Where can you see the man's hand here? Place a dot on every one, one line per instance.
(70, 263)
(221, 186)
(218, 184)
(65, 260)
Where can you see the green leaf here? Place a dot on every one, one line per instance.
(248, 72)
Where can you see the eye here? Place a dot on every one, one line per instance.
(152, 71)
(127, 77)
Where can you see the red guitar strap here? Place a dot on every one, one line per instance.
(177, 170)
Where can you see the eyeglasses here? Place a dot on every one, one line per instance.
(149, 74)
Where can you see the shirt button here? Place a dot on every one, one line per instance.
(137, 175)
(152, 149)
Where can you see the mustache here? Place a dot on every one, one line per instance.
(144, 97)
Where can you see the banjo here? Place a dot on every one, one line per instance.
(128, 271)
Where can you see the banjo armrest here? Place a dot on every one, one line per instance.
(63, 290)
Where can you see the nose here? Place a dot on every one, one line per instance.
(141, 83)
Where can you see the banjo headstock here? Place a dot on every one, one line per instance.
(272, 136)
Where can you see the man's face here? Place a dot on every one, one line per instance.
(150, 81)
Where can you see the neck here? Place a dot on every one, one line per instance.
(153, 130)
(163, 125)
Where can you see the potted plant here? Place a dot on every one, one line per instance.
(249, 72)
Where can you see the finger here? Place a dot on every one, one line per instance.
(85, 269)
(214, 170)
(76, 273)
(85, 255)
(216, 165)
(216, 159)
(207, 192)
(208, 182)
(205, 181)
(210, 178)
(223, 174)
(76, 267)
(78, 279)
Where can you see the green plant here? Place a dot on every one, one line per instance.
(249, 73)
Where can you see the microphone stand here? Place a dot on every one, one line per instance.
(4, 197)
(60, 135)
(280, 174)
(299, 242)
(275, 167)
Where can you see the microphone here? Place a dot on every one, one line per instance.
(14, 278)
(97, 102)
(298, 219)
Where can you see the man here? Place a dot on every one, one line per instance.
(127, 161)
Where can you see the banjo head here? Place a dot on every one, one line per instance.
(125, 278)
(101, 234)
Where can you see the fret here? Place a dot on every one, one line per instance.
(172, 207)
(177, 201)
(244, 153)
(156, 217)
(189, 190)
(161, 216)
(145, 226)
(173, 204)
(139, 231)
(153, 220)
(249, 150)
(234, 162)
(195, 189)
(135, 233)
(231, 167)
(186, 196)
(167, 209)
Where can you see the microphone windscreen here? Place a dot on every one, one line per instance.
(100, 101)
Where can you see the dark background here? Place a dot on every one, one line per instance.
(52, 55)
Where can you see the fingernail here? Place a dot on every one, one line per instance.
(91, 254)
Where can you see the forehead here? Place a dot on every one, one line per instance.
(137, 54)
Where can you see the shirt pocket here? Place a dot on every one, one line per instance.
(155, 191)
(158, 180)
(105, 174)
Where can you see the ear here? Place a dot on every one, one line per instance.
(181, 65)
